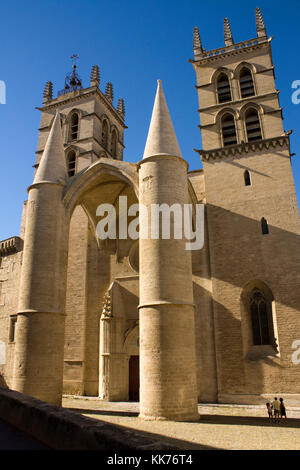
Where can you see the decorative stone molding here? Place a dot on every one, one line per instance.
(245, 147)
(11, 245)
(107, 307)
(203, 57)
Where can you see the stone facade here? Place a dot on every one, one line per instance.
(217, 324)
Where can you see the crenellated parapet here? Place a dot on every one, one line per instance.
(10, 246)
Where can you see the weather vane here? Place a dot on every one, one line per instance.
(74, 58)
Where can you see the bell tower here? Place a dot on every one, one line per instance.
(252, 215)
(92, 126)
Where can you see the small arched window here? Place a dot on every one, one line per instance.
(264, 226)
(223, 89)
(261, 318)
(74, 127)
(228, 130)
(71, 163)
(114, 139)
(253, 128)
(104, 134)
(247, 178)
(246, 83)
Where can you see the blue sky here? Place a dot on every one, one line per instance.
(134, 43)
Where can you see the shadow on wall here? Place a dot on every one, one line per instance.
(3, 383)
(239, 253)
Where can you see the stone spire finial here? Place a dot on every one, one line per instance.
(121, 107)
(260, 24)
(109, 92)
(52, 167)
(161, 138)
(228, 38)
(197, 44)
(95, 76)
(48, 92)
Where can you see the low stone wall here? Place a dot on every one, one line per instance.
(63, 429)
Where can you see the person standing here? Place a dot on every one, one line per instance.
(276, 408)
(282, 409)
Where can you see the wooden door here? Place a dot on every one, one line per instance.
(134, 378)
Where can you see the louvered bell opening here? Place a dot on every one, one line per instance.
(253, 127)
(71, 164)
(229, 131)
(246, 84)
(224, 92)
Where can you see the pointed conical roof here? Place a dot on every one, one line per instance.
(52, 167)
(161, 138)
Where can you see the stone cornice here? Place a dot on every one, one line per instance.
(245, 46)
(205, 85)
(246, 147)
(241, 100)
(79, 95)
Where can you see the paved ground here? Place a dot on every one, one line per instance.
(220, 427)
(13, 439)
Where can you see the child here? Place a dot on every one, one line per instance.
(282, 409)
(270, 412)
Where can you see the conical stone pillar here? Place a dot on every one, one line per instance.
(38, 362)
(167, 337)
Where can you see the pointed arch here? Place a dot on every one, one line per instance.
(252, 125)
(74, 126)
(246, 82)
(247, 178)
(114, 142)
(228, 129)
(71, 162)
(223, 88)
(259, 308)
(264, 226)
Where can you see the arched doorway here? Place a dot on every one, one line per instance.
(132, 348)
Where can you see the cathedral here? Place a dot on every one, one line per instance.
(147, 320)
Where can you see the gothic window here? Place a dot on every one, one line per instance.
(264, 226)
(228, 130)
(74, 127)
(114, 139)
(223, 88)
(71, 163)
(104, 134)
(261, 318)
(253, 125)
(246, 83)
(247, 178)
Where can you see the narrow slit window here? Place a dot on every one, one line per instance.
(74, 126)
(71, 163)
(264, 226)
(114, 144)
(229, 130)
(104, 134)
(253, 126)
(12, 328)
(246, 83)
(247, 178)
(223, 88)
